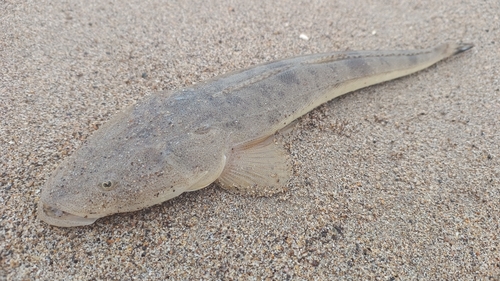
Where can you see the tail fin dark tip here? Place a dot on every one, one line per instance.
(463, 47)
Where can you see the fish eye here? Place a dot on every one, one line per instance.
(107, 185)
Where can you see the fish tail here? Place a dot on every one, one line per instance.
(450, 49)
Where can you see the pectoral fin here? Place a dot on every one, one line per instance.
(258, 168)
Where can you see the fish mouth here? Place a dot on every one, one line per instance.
(61, 218)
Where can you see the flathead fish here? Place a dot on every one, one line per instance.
(219, 131)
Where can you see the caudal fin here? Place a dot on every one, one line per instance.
(462, 48)
(449, 49)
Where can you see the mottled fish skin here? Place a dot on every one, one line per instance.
(221, 130)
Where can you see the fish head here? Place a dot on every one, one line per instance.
(125, 166)
(91, 185)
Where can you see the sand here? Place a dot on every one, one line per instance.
(399, 181)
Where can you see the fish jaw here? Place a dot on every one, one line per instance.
(57, 217)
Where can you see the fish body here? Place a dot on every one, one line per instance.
(218, 131)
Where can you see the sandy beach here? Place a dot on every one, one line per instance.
(398, 181)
